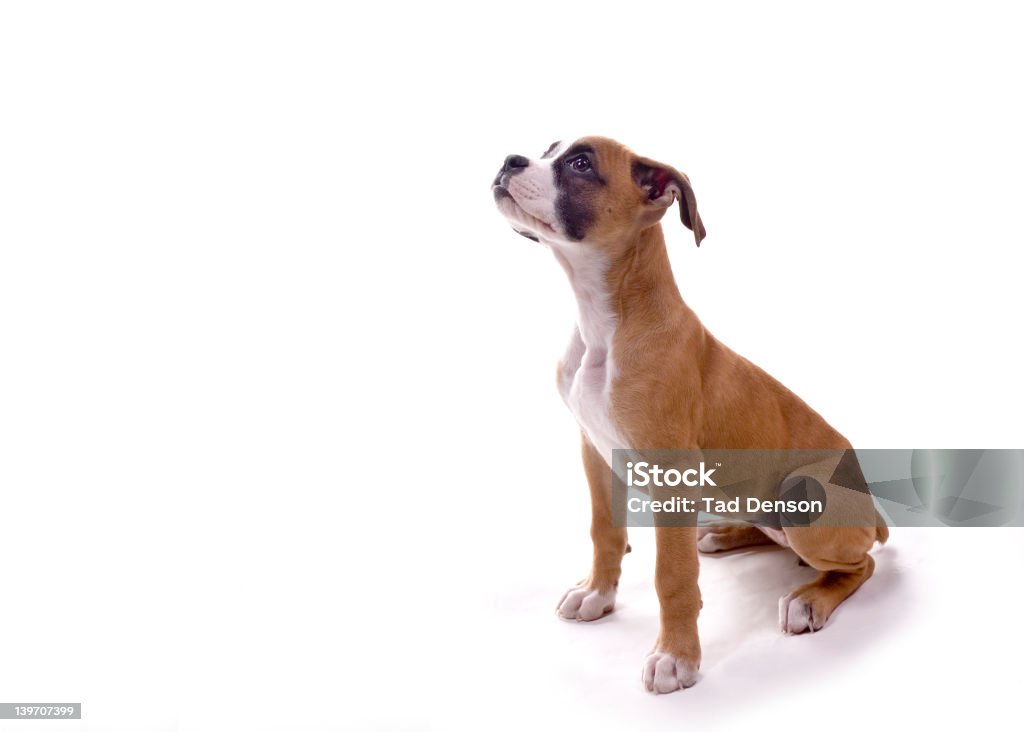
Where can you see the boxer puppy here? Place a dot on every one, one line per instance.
(641, 372)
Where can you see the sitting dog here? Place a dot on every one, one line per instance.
(642, 372)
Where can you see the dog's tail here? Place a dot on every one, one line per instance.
(881, 528)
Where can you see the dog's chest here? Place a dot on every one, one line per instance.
(587, 371)
(587, 374)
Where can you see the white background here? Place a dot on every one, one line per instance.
(279, 441)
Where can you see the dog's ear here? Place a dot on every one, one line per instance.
(663, 184)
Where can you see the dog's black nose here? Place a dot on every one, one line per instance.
(513, 162)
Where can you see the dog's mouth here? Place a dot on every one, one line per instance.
(527, 234)
(529, 224)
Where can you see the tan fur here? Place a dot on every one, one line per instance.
(609, 541)
(678, 387)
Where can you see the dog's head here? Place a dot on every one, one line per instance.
(591, 190)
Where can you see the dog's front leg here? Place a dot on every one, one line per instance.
(594, 597)
(675, 659)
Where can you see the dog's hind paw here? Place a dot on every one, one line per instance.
(586, 603)
(797, 614)
(664, 673)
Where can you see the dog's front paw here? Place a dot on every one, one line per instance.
(665, 673)
(586, 603)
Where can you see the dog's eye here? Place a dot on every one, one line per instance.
(580, 163)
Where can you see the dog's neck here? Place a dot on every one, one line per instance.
(641, 283)
(587, 270)
(635, 289)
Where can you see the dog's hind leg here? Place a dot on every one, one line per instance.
(837, 542)
(840, 553)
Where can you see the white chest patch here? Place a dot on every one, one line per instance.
(588, 367)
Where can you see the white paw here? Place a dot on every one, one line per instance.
(710, 543)
(796, 615)
(583, 603)
(664, 673)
